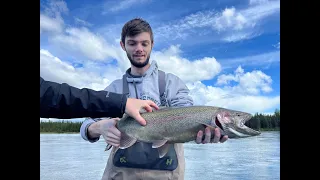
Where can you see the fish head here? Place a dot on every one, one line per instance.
(232, 123)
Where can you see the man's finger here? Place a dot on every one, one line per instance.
(199, 137)
(113, 136)
(114, 131)
(115, 120)
(114, 144)
(152, 104)
(207, 136)
(111, 140)
(224, 138)
(139, 118)
(217, 135)
(148, 108)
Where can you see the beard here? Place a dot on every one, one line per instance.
(138, 64)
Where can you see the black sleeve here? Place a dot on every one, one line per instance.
(64, 101)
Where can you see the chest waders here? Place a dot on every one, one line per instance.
(141, 155)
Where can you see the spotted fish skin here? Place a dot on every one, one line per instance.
(181, 124)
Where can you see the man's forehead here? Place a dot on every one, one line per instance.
(145, 36)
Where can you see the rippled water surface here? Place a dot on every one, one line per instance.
(68, 156)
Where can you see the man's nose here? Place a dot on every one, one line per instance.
(139, 48)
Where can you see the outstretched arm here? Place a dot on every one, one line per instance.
(65, 101)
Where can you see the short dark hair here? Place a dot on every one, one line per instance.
(134, 27)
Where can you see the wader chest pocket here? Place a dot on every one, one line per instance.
(143, 156)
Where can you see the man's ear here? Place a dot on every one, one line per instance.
(122, 46)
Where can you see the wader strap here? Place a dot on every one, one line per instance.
(162, 82)
(125, 87)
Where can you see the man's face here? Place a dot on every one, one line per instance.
(138, 49)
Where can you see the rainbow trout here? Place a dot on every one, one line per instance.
(181, 124)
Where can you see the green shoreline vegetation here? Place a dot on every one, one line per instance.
(261, 122)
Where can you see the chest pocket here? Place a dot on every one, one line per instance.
(141, 155)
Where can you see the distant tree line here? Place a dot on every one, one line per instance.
(259, 122)
(265, 122)
(59, 126)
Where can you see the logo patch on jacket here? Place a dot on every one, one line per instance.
(146, 97)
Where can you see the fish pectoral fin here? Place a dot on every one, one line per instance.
(126, 141)
(158, 143)
(208, 125)
(163, 150)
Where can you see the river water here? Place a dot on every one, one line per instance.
(68, 156)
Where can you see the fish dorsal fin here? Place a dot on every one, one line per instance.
(162, 107)
(142, 110)
(124, 116)
(158, 143)
(126, 141)
(163, 150)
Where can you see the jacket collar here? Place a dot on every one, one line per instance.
(153, 67)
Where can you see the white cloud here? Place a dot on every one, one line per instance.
(230, 24)
(81, 40)
(48, 24)
(170, 61)
(253, 82)
(55, 8)
(251, 104)
(124, 4)
(227, 98)
(255, 2)
(238, 36)
(254, 60)
(277, 45)
(261, 11)
(54, 69)
(82, 22)
(229, 19)
(243, 94)
(51, 19)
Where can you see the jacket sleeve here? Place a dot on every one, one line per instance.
(177, 92)
(88, 121)
(64, 101)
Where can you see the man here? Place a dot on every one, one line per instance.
(142, 80)
(64, 101)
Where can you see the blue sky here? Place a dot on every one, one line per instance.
(226, 51)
